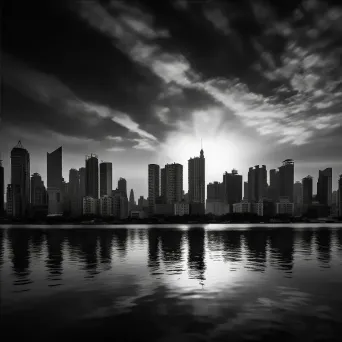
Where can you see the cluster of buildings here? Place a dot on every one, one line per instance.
(89, 191)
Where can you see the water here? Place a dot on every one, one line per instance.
(141, 283)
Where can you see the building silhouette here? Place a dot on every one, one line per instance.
(298, 197)
(324, 186)
(92, 176)
(307, 190)
(38, 191)
(2, 188)
(245, 190)
(163, 184)
(257, 183)
(174, 183)
(82, 176)
(196, 179)
(20, 182)
(273, 190)
(339, 196)
(232, 185)
(131, 199)
(122, 186)
(106, 177)
(153, 186)
(75, 193)
(286, 179)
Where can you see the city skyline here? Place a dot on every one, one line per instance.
(124, 82)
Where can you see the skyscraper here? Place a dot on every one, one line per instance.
(307, 190)
(2, 188)
(153, 186)
(106, 176)
(131, 198)
(38, 191)
(174, 182)
(232, 184)
(257, 183)
(245, 190)
(75, 193)
(324, 186)
(286, 179)
(20, 179)
(163, 184)
(196, 179)
(82, 176)
(54, 169)
(92, 176)
(340, 196)
(122, 186)
(273, 190)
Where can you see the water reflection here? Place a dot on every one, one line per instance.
(306, 237)
(37, 242)
(121, 235)
(196, 257)
(256, 244)
(54, 260)
(323, 243)
(106, 237)
(2, 247)
(282, 248)
(153, 250)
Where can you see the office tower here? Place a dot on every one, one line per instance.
(74, 193)
(141, 202)
(174, 182)
(273, 191)
(340, 196)
(297, 193)
(122, 186)
(92, 176)
(286, 179)
(324, 186)
(106, 176)
(20, 179)
(215, 191)
(2, 188)
(38, 191)
(307, 190)
(163, 184)
(82, 176)
(257, 183)
(54, 169)
(245, 190)
(153, 186)
(196, 179)
(131, 199)
(215, 199)
(232, 184)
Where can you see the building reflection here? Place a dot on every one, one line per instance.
(306, 241)
(142, 236)
(2, 246)
(339, 238)
(106, 237)
(18, 239)
(282, 248)
(214, 239)
(323, 245)
(121, 236)
(88, 250)
(54, 242)
(196, 257)
(37, 238)
(256, 245)
(153, 249)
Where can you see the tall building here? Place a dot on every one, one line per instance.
(307, 190)
(54, 169)
(196, 179)
(106, 176)
(286, 179)
(131, 199)
(324, 186)
(297, 193)
(339, 201)
(245, 190)
(257, 183)
(20, 179)
(82, 176)
(273, 192)
(163, 184)
(174, 182)
(153, 186)
(38, 191)
(2, 188)
(232, 184)
(75, 197)
(92, 176)
(122, 186)
(215, 199)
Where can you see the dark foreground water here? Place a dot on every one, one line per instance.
(210, 283)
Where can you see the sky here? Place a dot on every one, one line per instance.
(139, 82)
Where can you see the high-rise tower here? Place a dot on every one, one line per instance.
(92, 176)
(106, 176)
(196, 179)
(286, 179)
(153, 186)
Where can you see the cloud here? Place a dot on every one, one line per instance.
(118, 139)
(218, 20)
(143, 144)
(115, 149)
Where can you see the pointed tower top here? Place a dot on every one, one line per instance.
(19, 145)
(201, 153)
